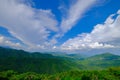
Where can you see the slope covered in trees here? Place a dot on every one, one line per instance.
(21, 61)
(101, 61)
(22, 65)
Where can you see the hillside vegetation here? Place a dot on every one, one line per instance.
(109, 74)
(22, 65)
(101, 61)
(21, 61)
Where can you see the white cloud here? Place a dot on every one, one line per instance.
(34, 26)
(105, 35)
(79, 44)
(109, 31)
(31, 26)
(4, 41)
(75, 12)
(118, 12)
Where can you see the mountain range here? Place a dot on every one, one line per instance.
(22, 61)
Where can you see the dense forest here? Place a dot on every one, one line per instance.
(109, 74)
(22, 65)
(21, 61)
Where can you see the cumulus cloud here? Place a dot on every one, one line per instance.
(118, 12)
(5, 41)
(75, 12)
(102, 36)
(31, 26)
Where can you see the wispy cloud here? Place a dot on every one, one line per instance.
(74, 14)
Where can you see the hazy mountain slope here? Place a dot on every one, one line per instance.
(101, 61)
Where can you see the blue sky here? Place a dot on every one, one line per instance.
(79, 26)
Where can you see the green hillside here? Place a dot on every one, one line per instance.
(21, 61)
(101, 61)
(72, 56)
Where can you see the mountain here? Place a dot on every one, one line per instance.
(101, 61)
(50, 63)
(22, 61)
(76, 56)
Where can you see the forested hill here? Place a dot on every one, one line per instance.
(22, 61)
(101, 61)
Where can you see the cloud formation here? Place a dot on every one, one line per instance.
(5, 41)
(31, 26)
(34, 26)
(104, 35)
(74, 14)
(39, 30)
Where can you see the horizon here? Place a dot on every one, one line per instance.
(79, 26)
(58, 53)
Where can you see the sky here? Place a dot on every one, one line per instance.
(72, 26)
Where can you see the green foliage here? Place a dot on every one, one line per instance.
(101, 61)
(109, 74)
(5, 75)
